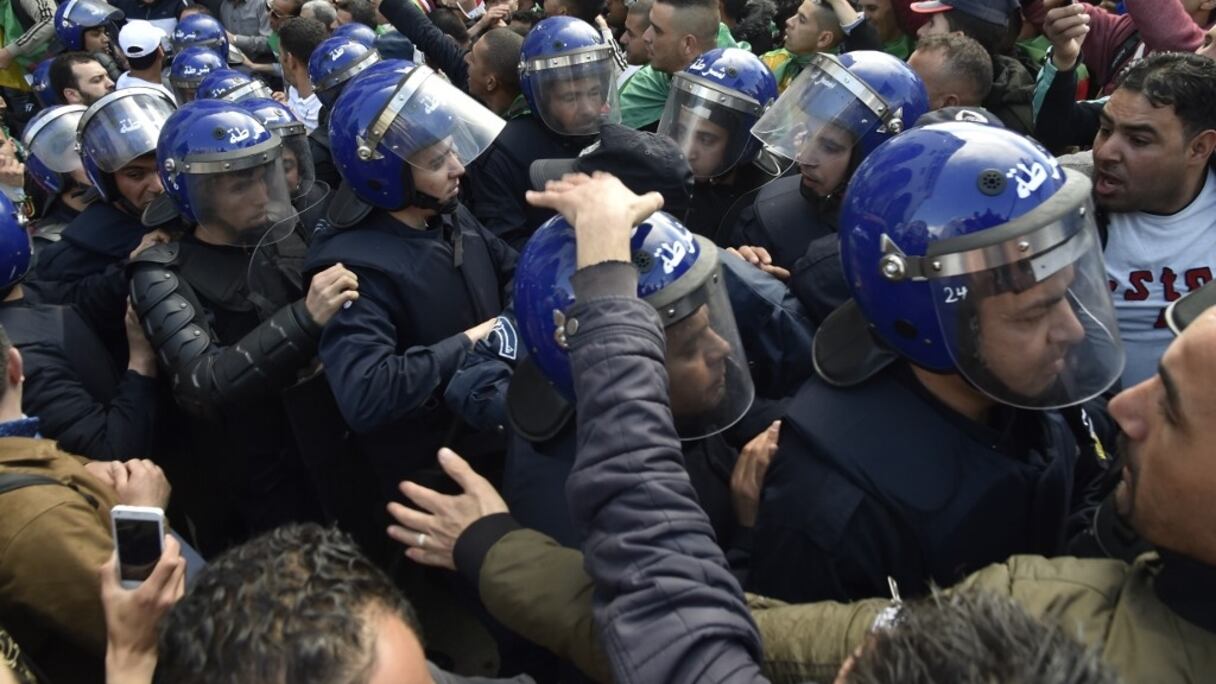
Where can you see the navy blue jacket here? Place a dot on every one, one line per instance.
(84, 268)
(782, 219)
(882, 479)
(390, 354)
(81, 397)
(499, 177)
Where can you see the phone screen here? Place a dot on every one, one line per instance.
(139, 547)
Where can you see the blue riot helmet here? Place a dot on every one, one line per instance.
(297, 153)
(567, 74)
(189, 68)
(847, 103)
(230, 85)
(334, 62)
(15, 249)
(680, 275)
(712, 106)
(50, 143)
(385, 66)
(200, 30)
(74, 17)
(968, 249)
(117, 129)
(360, 33)
(45, 94)
(223, 170)
(386, 128)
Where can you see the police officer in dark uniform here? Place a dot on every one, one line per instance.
(233, 321)
(711, 108)
(431, 278)
(331, 67)
(682, 276)
(942, 431)
(568, 77)
(117, 137)
(53, 163)
(310, 196)
(81, 397)
(827, 129)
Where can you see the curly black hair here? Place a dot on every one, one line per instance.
(293, 605)
(1182, 80)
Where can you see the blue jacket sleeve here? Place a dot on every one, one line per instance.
(773, 324)
(667, 605)
(477, 391)
(441, 50)
(373, 383)
(118, 429)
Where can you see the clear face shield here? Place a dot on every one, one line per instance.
(576, 92)
(92, 13)
(298, 167)
(826, 110)
(244, 200)
(711, 125)
(51, 138)
(254, 88)
(123, 125)
(1028, 319)
(428, 122)
(708, 378)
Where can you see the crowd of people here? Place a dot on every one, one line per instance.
(609, 340)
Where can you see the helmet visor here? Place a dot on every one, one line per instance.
(576, 93)
(298, 167)
(91, 13)
(711, 126)
(52, 138)
(428, 121)
(249, 206)
(708, 377)
(1029, 321)
(825, 110)
(253, 88)
(125, 128)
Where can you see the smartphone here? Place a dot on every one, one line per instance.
(1181, 312)
(139, 535)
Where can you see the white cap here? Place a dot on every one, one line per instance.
(140, 38)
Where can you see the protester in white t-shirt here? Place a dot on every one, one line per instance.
(298, 37)
(1152, 176)
(143, 44)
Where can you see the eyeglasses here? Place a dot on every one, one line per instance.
(275, 13)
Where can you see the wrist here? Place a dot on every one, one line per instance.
(130, 665)
(602, 239)
(142, 365)
(1063, 61)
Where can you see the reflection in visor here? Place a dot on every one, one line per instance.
(819, 100)
(248, 206)
(426, 110)
(1039, 332)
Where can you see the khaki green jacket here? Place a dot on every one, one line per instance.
(539, 589)
(52, 542)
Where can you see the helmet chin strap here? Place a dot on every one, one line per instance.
(425, 201)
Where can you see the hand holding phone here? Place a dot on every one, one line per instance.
(139, 533)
